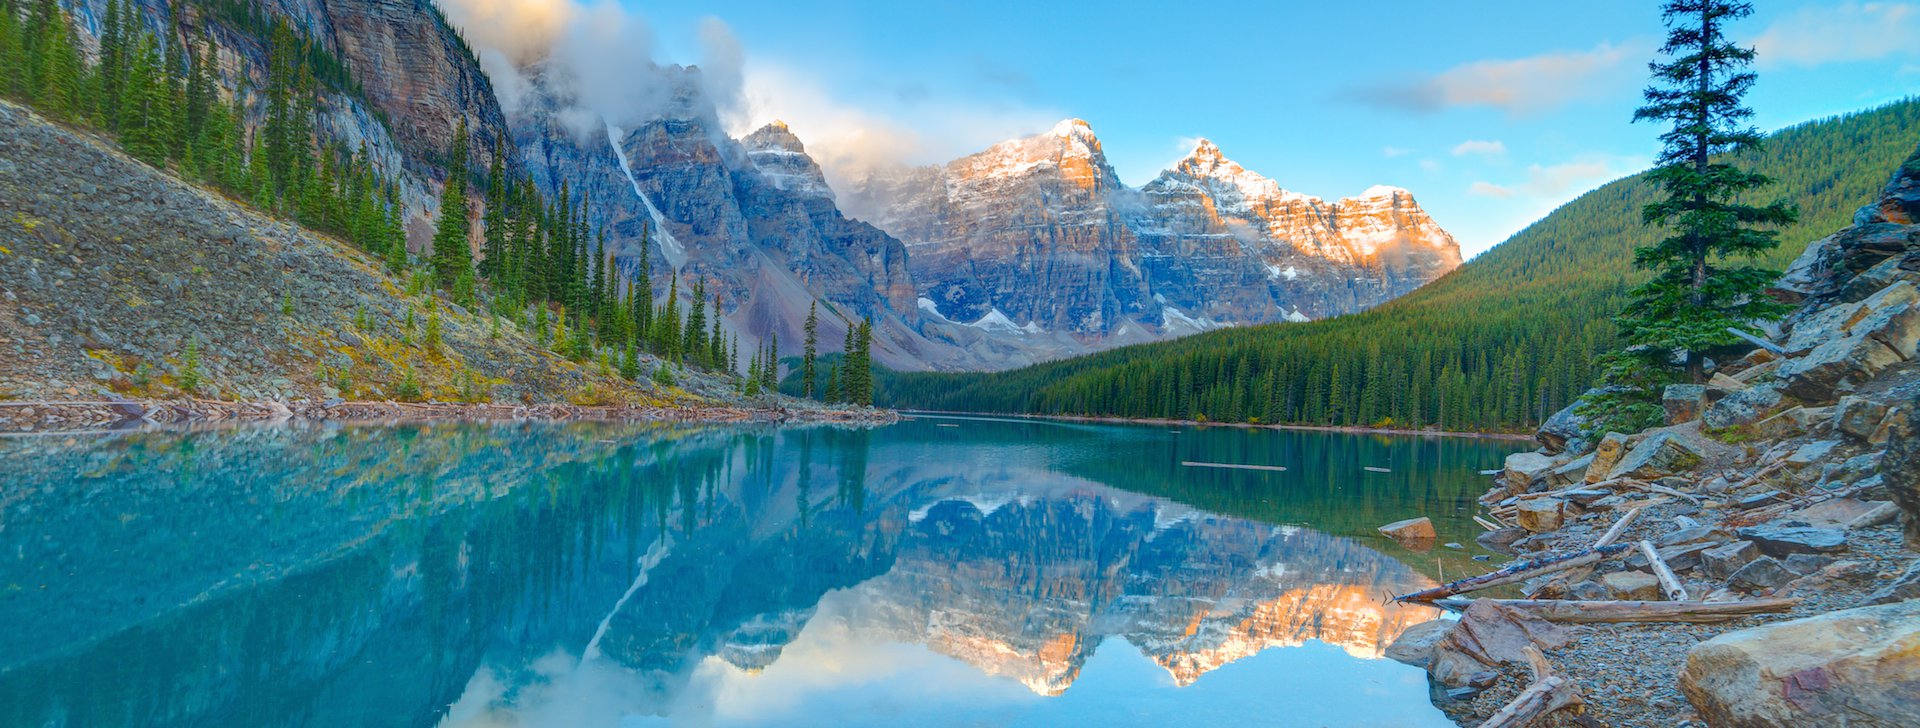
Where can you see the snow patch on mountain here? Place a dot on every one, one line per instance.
(676, 254)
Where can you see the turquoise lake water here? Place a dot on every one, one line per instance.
(938, 572)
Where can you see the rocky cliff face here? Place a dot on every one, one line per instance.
(1041, 233)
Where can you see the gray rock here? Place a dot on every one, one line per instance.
(1835, 368)
(1415, 645)
(1903, 587)
(1811, 453)
(1660, 455)
(1744, 407)
(1783, 540)
(1761, 573)
(1900, 472)
(1632, 585)
(1720, 562)
(1524, 468)
(1804, 564)
(1683, 402)
(1566, 431)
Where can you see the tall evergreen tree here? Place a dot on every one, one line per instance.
(1704, 285)
(808, 350)
(452, 251)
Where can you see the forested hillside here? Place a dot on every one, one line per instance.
(1498, 344)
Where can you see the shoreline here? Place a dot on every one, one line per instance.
(51, 417)
(1351, 430)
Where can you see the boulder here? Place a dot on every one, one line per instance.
(1810, 453)
(1855, 667)
(1606, 455)
(1573, 471)
(1501, 540)
(1899, 203)
(1897, 327)
(1523, 468)
(1690, 534)
(1722, 385)
(1540, 515)
(1900, 470)
(1683, 402)
(1894, 270)
(1862, 247)
(1722, 561)
(1835, 368)
(1811, 274)
(1781, 426)
(1901, 588)
(1633, 585)
(1415, 644)
(1780, 541)
(1760, 574)
(1744, 407)
(1804, 564)
(1859, 417)
(1412, 529)
(1838, 512)
(1659, 455)
(1489, 635)
(1567, 430)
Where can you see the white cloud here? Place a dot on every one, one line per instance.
(1850, 31)
(1478, 146)
(1519, 86)
(1489, 189)
(1393, 151)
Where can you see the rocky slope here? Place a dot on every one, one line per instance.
(1788, 474)
(111, 269)
(1038, 235)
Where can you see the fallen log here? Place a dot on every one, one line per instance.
(1619, 527)
(1614, 612)
(1670, 585)
(1548, 694)
(1516, 572)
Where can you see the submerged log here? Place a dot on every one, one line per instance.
(1549, 693)
(1516, 572)
(1613, 612)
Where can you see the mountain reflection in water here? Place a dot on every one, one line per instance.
(588, 574)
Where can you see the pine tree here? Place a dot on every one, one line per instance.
(494, 247)
(808, 350)
(452, 254)
(113, 53)
(13, 50)
(694, 340)
(55, 58)
(1698, 291)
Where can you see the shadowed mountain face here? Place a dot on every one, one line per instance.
(376, 576)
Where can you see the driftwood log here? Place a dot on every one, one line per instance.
(1548, 694)
(1619, 527)
(1670, 585)
(1515, 572)
(1571, 611)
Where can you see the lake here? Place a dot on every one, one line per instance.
(938, 572)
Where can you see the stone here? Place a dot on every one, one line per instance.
(1523, 468)
(1783, 425)
(1898, 327)
(1634, 585)
(1415, 644)
(1835, 368)
(1489, 635)
(1540, 515)
(1856, 667)
(1566, 430)
(1901, 588)
(1804, 564)
(1782, 540)
(1607, 454)
(1724, 384)
(1588, 590)
(1659, 455)
(1882, 513)
(1756, 500)
(1894, 270)
(1574, 471)
(1859, 417)
(1762, 573)
(1692, 534)
(1584, 497)
(1900, 471)
(1837, 512)
(1744, 407)
(1683, 402)
(1412, 529)
(1811, 453)
(1501, 540)
(1721, 561)
(1679, 558)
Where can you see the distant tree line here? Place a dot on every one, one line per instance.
(1508, 339)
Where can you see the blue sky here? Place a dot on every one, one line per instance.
(1492, 113)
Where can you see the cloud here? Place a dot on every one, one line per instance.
(1393, 151)
(1431, 166)
(1488, 189)
(1847, 32)
(1477, 146)
(1519, 87)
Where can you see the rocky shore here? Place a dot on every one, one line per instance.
(1752, 562)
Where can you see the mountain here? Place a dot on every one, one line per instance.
(1038, 235)
(1499, 344)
